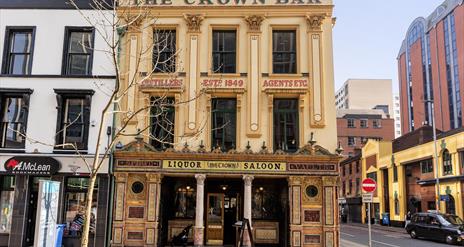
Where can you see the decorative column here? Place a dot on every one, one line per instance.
(153, 204)
(199, 228)
(193, 23)
(316, 67)
(330, 215)
(248, 180)
(254, 34)
(296, 228)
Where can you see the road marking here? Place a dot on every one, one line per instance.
(349, 235)
(347, 243)
(391, 245)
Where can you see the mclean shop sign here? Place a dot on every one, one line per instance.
(32, 165)
(231, 2)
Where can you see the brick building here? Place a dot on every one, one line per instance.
(350, 191)
(431, 67)
(356, 126)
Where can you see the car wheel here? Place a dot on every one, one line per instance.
(413, 234)
(449, 239)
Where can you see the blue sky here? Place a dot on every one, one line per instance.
(368, 36)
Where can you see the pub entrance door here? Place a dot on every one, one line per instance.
(222, 214)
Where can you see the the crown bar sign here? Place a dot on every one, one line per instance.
(32, 165)
(231, 2)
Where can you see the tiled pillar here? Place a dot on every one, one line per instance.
(199, 210)
(248, 180)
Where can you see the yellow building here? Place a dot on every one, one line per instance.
(405, 171)
(245, 129)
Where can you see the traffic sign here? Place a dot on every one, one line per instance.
(369, 185)
(366, 197)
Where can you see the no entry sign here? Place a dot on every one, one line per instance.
(369, 185)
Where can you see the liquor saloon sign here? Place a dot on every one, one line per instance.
(32, 165)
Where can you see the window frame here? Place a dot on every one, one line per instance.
(425, 165)
(14, 93)
(447, 165)
(61, 96)
(169, 109)
(366, 121)
(297, 123)
(377, 123)
(350, 123)
(284, 28)
(6, 48)
(223, 111)
(67, 34)
(353, 143)
(222, 28)
(171, 29)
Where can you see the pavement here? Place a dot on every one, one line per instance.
(356, 235)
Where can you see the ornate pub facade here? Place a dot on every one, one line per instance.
(236, 120)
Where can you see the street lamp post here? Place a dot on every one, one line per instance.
(437, 180)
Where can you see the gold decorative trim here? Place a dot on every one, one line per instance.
(254, 22)
(315, 22)
(194, 22)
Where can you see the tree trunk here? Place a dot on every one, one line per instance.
(88, 210)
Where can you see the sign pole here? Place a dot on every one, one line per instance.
(369, 222)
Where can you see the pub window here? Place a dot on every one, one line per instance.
(286, 124)
(6, 203)
(78, 51)
(184, 201)
(447, 164)
(223, 126)
(284, 51)
(164, 51)
(162, 123)
(73, 120)
(363, 123)
(18, 50)
(350, 123)
(76, 196)
(224, 51)
(426, 166)
(265, 203)
(13, 118)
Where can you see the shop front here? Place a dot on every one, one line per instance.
(290, 199)
(19, 180)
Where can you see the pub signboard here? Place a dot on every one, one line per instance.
(32, 165)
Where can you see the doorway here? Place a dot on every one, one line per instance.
(32, 208)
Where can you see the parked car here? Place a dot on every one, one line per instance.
(436, 226)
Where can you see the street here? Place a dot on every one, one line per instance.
(356, 236)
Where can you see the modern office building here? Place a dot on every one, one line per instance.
(53, 82)
(247, 130)
(365, 94)
(356, 127)
(397, 114)
(431, 69)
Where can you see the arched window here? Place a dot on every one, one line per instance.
(450, 205)
(447, 164)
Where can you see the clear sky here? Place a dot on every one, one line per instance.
(368, 36)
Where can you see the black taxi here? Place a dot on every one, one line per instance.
(437, 226)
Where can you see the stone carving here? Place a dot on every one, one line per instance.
(200, 179)
(315, 22)
(254, 22)
(194, 21)
(138, 146)
(248, 179)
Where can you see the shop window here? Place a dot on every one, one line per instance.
(184, 201)
(351, 141)
(286, 125)
(395, 173)
(75, 204)
(162, 123)
(447, 164)
(6, 203)
(18, 50)
(13, 118)
(223, 125)
(164, 51)
(78, 51)
(350, 123)
(284, 51)
(426, 166)
(363, 123)
(376, 123)
(73, 119)
(224, 51)
(265, 203)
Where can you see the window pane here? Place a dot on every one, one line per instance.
(80, 42)
(75, 211)
(286, 124)
(75, 111)
(75, 134)
(78, 64)
(19, 64)
(13, 110)
(21, 42)
(6, 205)
(79, 184)
(12, 136)
(224, 123)
(164, 51)
(224, 51)
(162, 123)
(284, 51)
